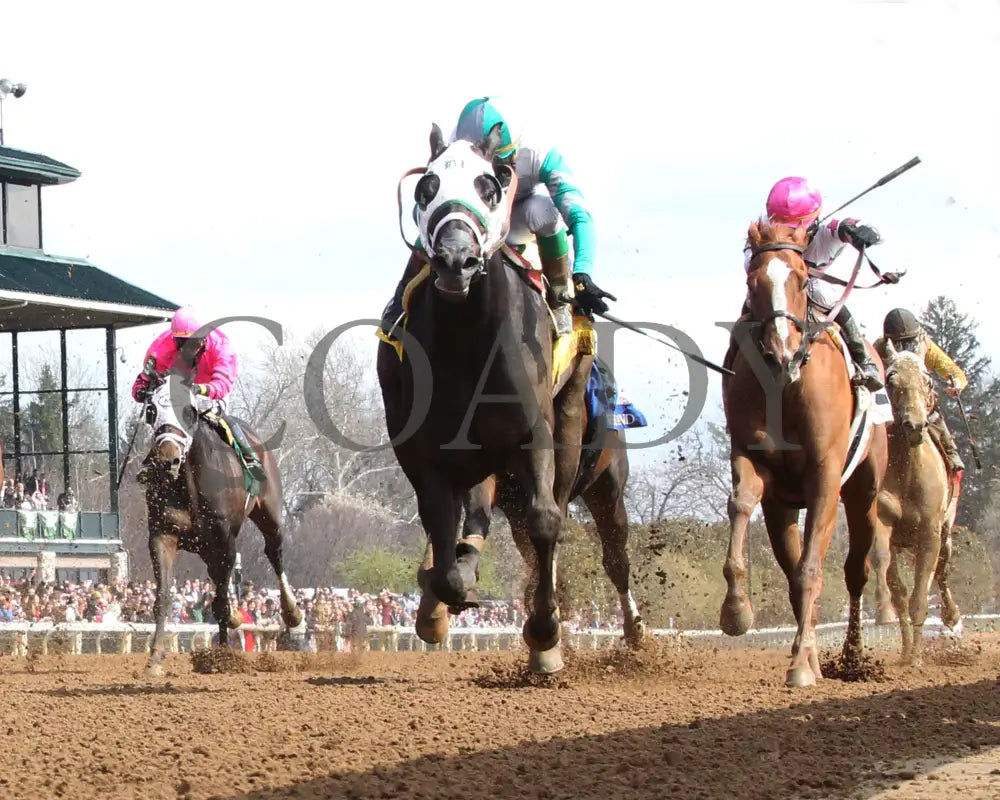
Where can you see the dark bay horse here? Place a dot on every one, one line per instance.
(916, 507)
(476, 375)
(197, 500)
(799, 464)
(600, 483)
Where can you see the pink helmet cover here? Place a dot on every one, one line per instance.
(793, 201)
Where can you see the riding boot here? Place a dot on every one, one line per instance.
(869, 374)
(553, 252)
(938, 429)
(250, 458)
(394, 310)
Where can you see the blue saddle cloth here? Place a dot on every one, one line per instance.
(604, 399)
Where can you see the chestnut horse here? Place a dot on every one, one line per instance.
(792, 455)
(916, 507)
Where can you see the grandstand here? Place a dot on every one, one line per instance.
(65, 297)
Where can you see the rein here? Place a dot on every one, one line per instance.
(399, 204)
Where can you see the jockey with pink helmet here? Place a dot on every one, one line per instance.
(793, 202)
(189, 347)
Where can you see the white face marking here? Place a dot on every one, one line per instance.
(285, 586)
(777, 272)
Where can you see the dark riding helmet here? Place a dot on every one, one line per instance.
(901, 324)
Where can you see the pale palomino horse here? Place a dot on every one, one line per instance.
(916, 507)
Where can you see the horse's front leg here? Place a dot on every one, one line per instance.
(821, 518)
(478, 503)
(736, 616)
(888, 515)
(544, 523)
(926, 559)
(439, 580)
(220, 566)
(162, 552)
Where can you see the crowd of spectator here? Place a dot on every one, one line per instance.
(31, 493)
(328, 611)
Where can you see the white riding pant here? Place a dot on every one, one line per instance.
(534, 215)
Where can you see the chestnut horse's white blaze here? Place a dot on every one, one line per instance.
(778, 273)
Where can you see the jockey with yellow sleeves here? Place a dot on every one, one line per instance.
(546, 204)
(906, 333)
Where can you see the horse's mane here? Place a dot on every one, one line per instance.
(762, 232)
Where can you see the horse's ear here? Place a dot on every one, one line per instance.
(754, 236)
(493, 141)
(890, 349)
(437, 141)
(801, 235)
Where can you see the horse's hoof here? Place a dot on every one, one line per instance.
(885, 616)
(950, 618)
(541, 635)
(154, 670)
(798, 677)
(235, 620)
(431, 624)
(736, 617)
(546, 662)
(293, 620)
(635, 634)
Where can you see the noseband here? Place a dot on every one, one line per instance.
(810, 331)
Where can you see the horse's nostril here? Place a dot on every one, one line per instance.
(471, 262)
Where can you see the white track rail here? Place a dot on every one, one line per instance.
(22, 638)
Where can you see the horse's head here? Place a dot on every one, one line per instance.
(462, 209)
(777, 281)
(911, 391)
(171, 412)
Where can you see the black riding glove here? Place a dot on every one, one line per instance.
(850, 230)
(589, 296)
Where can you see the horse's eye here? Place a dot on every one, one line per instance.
(488, 189)
(150, 414)
(188, 415)
(427, 189)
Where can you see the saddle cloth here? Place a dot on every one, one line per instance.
(221, 426)
(869, 410)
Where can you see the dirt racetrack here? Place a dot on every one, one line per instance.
(679, 721)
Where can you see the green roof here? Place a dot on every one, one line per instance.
(34, 168)
(42, 292)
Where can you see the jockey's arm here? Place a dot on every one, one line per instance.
(941, 363)
(223, 368)
(558, 179)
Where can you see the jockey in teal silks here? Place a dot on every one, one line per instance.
(547, 205)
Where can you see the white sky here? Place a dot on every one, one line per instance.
(245, 158)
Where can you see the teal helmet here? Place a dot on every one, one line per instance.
(478, 118)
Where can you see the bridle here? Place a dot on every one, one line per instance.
(811, 330)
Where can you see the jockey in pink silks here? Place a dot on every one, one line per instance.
(213, 361)
(793, 202)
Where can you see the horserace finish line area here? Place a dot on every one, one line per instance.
(77, 638)
(684, 720)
